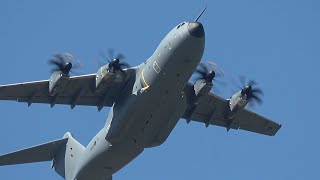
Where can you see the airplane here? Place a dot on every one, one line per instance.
(146, 102)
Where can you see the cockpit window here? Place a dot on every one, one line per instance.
(180, 25)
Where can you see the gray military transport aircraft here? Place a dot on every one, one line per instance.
(146, 103)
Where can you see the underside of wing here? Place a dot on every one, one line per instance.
(253, 122)
(211, 109)
(73, 91)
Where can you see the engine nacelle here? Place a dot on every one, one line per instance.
(201, 87)
(101, 75)
(237, 102)
(56, 80)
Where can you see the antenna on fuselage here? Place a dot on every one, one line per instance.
(200, 14)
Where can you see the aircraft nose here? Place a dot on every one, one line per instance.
(196, 29)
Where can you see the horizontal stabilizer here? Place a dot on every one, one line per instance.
(43, 152)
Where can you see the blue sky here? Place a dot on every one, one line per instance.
(275, 42)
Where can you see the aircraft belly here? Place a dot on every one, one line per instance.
(157, 111)
(102, 159)
(145, 119)
(163, 119)
(146, 116)
(110, 161)
(131, 114)
(148, 126)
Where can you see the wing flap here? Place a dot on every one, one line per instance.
(28, 89)
(253, 122)
(64, 100)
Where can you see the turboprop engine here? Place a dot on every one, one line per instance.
(63, 67)
(248, 94)
(110, 70)
(206, 75)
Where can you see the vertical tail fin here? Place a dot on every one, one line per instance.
(67, 158)
(65, 154)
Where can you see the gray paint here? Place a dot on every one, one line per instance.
(146, 103)
(143, 114)
(134, 123)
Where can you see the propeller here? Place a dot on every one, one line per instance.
(115, 62)
(63, 63)
(209, 73)
(251, 91)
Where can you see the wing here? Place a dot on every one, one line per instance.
(76, 90)
(214, 110)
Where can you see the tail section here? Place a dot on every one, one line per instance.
(67, 158)
(64, 153)
(43, 152)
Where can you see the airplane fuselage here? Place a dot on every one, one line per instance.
(146, 103)
(150, 107)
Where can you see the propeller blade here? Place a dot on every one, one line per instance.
(212, 64)
(242, 81)
(204, 68)
(252, 83)
(115, 63)
(258, 91)
(110, 53)
(124, 65)
(257, 99)
(53, 62)
(120, 56)
(208, 72)
(59, 57)
(201, 73)
(249, 90)
(220, 74)
(63, 63)
(68, 56)
(77, 65)
(198, 78)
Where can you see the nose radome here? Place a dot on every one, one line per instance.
(196, 29)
